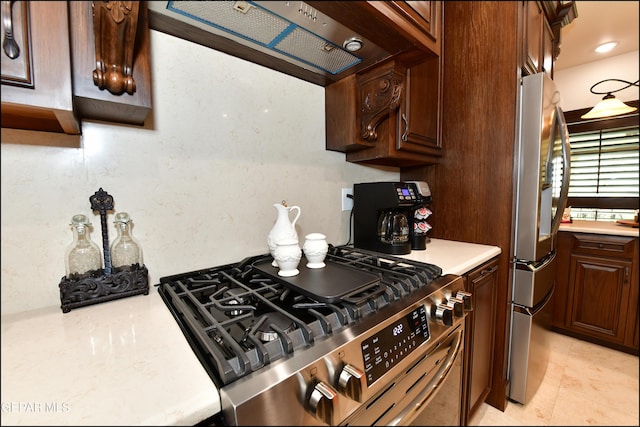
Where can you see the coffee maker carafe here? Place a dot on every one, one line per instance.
(393, 227)
(382, 216)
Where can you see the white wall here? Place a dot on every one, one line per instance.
(574, 83)
(225, 141)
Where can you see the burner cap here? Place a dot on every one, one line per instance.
(237, 300)
(264, 331)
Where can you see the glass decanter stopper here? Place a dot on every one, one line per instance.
(125, 250)
(83, 255)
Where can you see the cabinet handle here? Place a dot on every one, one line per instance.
(489, 271)
(9, 44)
(626, 275)
(406, 127)
(484, 273)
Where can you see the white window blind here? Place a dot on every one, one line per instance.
(605, 163)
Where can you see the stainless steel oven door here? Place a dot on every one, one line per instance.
(429, 392)
(444, 409)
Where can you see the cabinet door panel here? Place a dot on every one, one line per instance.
(422, 14)
(419, 114)
(479, 344)
(534, 20)
(48, 105)
(17, 70)
(600, 296)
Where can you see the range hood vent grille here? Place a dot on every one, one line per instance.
(268, 30)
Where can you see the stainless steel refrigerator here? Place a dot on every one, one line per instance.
(543, 167)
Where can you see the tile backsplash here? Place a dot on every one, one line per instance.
(225, 141)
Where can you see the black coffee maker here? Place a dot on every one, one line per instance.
(383, 215)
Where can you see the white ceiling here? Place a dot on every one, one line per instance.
(598, 22)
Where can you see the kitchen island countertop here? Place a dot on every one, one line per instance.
(126, 362)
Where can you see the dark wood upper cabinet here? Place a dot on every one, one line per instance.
(51, 85)
(533, 28)
(36, 85)
(415, 22)
(542, 23)
(389, 114)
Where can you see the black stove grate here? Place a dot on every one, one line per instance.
(223, 311)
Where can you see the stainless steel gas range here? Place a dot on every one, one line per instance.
(370, 339)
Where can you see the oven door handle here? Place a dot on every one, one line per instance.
(413, 409)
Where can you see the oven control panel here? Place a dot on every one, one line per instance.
(389, 346)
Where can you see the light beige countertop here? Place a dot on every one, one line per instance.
(126, 362)
(599, 227)
(454, 257)
(122, 362)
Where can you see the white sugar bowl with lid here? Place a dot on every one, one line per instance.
(287, 255)
(315, 249)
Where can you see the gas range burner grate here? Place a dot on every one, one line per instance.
(227, 312)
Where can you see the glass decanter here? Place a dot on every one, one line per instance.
(83, 255)
(125, 250)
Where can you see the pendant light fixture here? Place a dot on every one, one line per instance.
(610, 105)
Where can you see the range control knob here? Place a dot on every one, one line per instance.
(443, 314)
(350, 382)
(466, 297)
(458, 306)
(321, 402)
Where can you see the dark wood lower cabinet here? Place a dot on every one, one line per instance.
(479, 339)
(597, 289)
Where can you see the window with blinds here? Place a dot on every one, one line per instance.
(605, 168)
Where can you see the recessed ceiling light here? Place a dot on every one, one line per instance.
(606, 47)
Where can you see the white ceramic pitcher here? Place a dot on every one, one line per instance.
(283, 229)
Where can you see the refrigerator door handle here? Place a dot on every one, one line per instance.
(566, 159)
(532, 311)
(533, 280)
(534, 267)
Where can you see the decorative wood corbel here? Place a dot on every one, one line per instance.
(380, 94)
(114, 26)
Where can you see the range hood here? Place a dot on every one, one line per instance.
(289, 36)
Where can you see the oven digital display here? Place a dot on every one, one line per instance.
(384, 350)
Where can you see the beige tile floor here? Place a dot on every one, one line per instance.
(585, 384)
